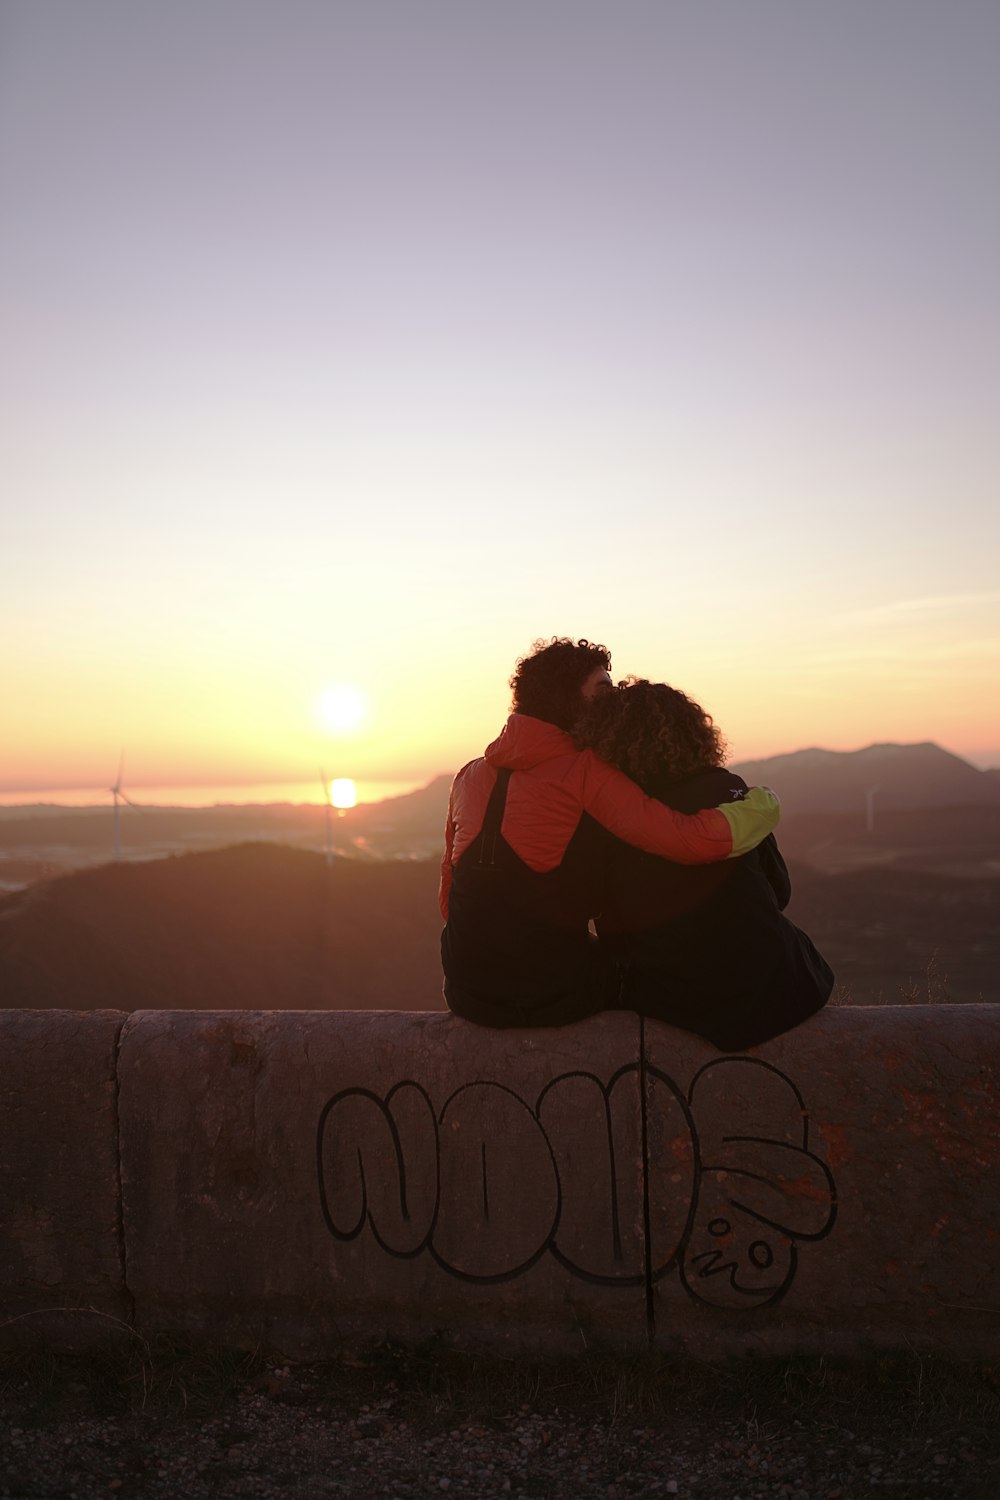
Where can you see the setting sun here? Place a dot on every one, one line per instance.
(343, 792)
(341, 707)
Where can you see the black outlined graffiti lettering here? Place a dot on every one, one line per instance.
(594, 1131)
(379, 1166)
(489, 1183)
(488, 1228)
(759, 1188)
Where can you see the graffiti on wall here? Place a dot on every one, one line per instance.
(489, 1182)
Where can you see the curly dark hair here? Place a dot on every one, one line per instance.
(652, 732)
(547, 683)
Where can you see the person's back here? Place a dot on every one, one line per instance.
(524, 846)
(516, 949)
(704, 948)
(709, 949)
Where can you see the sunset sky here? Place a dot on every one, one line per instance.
(352, 344)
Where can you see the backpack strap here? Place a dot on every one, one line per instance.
(493, 819)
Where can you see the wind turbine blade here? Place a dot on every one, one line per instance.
(326, 784)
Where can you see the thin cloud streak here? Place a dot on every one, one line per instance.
(909, 608)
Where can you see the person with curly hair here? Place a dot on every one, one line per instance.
(705, 948)
(525, 848)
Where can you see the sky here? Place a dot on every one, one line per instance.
(353, 345)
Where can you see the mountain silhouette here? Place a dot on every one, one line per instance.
(897, 776)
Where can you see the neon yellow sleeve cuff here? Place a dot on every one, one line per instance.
(751, 819)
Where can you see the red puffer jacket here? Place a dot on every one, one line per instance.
(515, 947)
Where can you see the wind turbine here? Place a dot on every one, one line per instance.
(120, 797)
(328, 812)
(118, 794)
(870, 807)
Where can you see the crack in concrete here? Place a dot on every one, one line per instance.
(647, 1249)
(120, 1208)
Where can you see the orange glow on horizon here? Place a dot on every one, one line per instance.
(184, 722)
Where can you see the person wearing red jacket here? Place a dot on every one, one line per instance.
(525, 847)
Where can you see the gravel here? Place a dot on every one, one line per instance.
(68, 1432)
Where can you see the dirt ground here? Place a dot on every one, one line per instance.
(403, 1424)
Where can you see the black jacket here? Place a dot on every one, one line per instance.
(707, 948)
(515, 949)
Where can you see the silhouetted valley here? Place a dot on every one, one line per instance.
(263, 926)
(254, 927)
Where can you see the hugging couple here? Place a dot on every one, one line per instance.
(608, 810)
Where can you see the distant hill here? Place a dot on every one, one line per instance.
(898, 776)
(268, 927)
(40, 841)
(898, 936)
(258, 927)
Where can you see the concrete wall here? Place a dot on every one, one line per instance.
(305, 1179)
(61, 1247)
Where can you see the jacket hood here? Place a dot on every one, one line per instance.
(525, 742)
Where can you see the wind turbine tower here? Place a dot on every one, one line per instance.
(328, 813)
(119, 796)
(870, 808)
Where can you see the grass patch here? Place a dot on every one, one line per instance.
(438, 1388)
(123, 1377)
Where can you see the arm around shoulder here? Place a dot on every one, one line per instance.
(686, 838)
(751, 819)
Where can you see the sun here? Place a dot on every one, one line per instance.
(341, 707)
(343, 792)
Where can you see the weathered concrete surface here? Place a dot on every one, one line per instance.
(299, 1179)
(847, 1186)
(60, 1230)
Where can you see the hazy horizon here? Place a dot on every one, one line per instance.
(304, 791)
(349, 348)
(205, 795)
